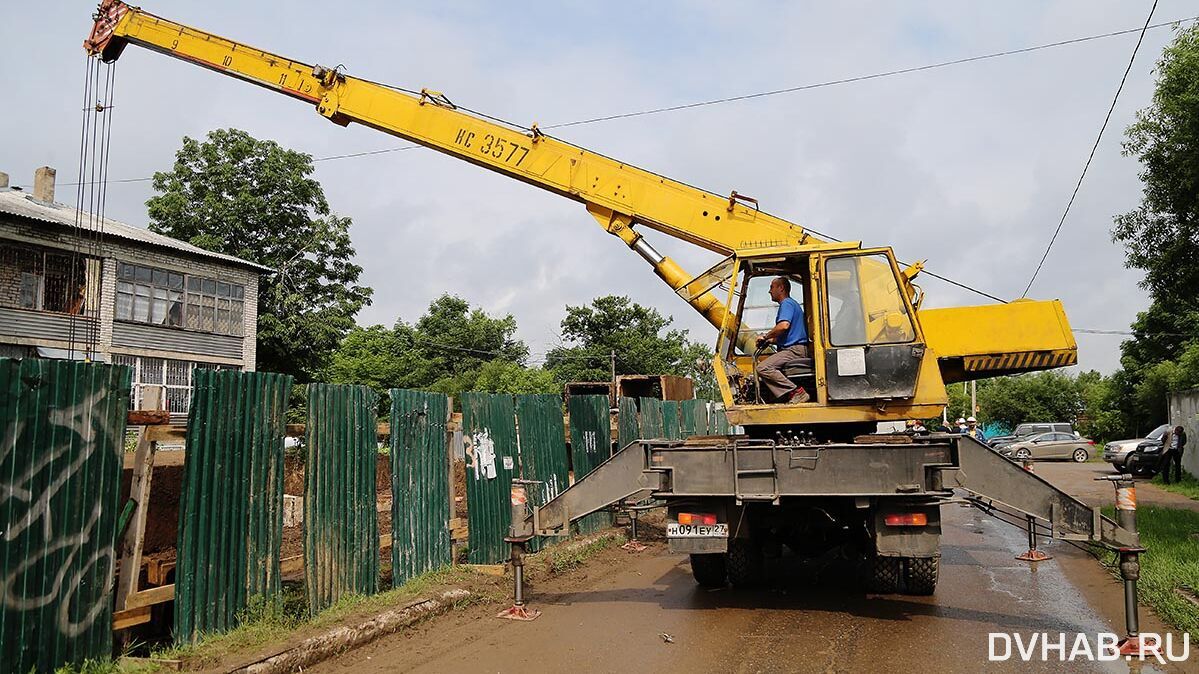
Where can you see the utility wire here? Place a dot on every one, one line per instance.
(1094, 147)
(762, 94)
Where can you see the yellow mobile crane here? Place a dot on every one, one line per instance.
(876, 356)
(808, 474)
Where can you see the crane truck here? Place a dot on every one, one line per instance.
(814, 475)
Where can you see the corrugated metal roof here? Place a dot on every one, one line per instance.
(23, 205)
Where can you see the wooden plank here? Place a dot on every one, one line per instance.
(157, 571)
(130, 617)
(160, 663)
(290, 565)
(153, 397)
(171, 434)
(155, 595)
(147, 417)
(487, 569)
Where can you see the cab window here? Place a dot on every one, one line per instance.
(759, 311)
(864, 302)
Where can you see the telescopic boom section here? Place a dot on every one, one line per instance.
(618, 195)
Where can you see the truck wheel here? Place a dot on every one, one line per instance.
(921, 575)
(709, 570)
(744, 561)
(882, 574)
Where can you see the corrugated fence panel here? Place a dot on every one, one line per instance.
(693, 417)
(62, 425)
(231, 504)
(627, 425)
(543, 454)
(420, 484)
(670, 420)
(718, 421)
(651, 419)
(590, 445)
(341, 525)
(489, 433)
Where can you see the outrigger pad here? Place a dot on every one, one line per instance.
(516, 612)
(1033, 556)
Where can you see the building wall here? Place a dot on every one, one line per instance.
(1184, 411)
(136, 338)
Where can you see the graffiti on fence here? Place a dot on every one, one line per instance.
(73, 425)
(480, 454)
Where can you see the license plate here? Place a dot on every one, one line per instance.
(676, 530)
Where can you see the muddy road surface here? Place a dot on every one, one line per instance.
(612, 615)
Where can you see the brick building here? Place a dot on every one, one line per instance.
(72, 286)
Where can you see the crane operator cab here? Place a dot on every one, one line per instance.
(865, 352)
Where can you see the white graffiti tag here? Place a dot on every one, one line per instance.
(484, 454)
(27, 496)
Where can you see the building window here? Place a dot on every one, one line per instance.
(174, 375)
(161, 297)
(43, 279)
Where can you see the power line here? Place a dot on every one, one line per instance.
(1094, 147)
(763, 94)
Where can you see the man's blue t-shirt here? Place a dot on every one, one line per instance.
(789, 310)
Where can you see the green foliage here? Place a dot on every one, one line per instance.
(1171, 567)
(1052, 396)
(641, 338)
(1161, 237)
(254, 199)
(451, 348)
(1188, 486)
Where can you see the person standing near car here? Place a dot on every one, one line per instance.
(1177, 441)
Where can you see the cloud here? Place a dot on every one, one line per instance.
(968, 167)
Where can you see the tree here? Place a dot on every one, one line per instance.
(451, 348)
(1161, 236)
(639, 336)
(1051, 396)
(254, 199)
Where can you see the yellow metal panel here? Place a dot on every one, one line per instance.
(1015, 327)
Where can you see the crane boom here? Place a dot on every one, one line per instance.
(883, 365)
(619, 195)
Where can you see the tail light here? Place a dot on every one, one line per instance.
(906, 520)
(697, 518)
(1091, 443)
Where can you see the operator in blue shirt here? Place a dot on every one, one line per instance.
(790, 337)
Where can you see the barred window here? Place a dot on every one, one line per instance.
(161, 297)
(174, 375)
(44, 279)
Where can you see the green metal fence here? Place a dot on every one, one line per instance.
(590, 445)
(693, 417)
(543, 454)
(718, 422)
(627, 424)
(231, 504)
(670, 420)
(341, 526)
(62, 430)
(420, 484)
(489, 432)
(651, 419)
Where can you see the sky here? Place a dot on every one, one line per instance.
(968, 167)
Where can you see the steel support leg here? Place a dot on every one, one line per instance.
(1033, 554)
(518, 610)
(633, 545)
(1130, 566)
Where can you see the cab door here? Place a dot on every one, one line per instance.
(873, 347)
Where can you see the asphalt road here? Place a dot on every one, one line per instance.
(612, 620)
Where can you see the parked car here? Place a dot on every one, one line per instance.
(1117, 452)
(1025, 431)
(1053, 445)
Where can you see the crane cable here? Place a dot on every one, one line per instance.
(1094, 147)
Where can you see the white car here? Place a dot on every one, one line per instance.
(1117, 452)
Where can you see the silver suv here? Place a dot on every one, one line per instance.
(1118, 451)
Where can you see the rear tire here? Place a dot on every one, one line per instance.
(1022, 454)
(744, 563)
(921, 575)
(1080, 455)
(882, 574)
(709, 570)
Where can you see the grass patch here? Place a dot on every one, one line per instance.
(274, 622)
(566, 556)
(1171, 563)
(1188, 487)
